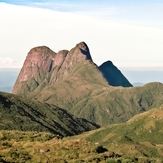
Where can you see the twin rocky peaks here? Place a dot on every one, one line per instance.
(72, 81)
(43, 68)
(67, 93)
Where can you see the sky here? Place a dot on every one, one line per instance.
(128, 32)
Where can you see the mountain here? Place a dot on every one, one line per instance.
(72, 81)
(113, 75)
(138, 137)
(44, 67)
(17, 113)
(35, 71)
(139, 140)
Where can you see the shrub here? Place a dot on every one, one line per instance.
(100, 149)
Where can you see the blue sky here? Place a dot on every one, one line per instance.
(130, 33)
(139, 10)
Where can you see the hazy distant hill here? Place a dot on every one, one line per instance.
(6, 89)
(138, 84)
(7, 79)
(143, 75)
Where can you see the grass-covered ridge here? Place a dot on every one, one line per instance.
(140, 136)
(138, 140)
(19, 113)
(71, 80)
(99, 103)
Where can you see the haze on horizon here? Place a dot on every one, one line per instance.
(128, 33)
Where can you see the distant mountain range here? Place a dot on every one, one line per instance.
(7, 79)
(138, 84)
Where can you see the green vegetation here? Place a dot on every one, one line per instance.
(43, 147)
(139, 137)
(101, 104)
(72, 81)
(86, 94)
(133, 141)
(77, 85)
(18, 113)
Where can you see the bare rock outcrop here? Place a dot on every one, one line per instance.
(71, 80)
(43, 66)
(37, 66)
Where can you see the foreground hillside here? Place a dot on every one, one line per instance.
(138, 140)
(140, 136)
(17, 113)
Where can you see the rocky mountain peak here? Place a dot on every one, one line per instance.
(60, 57)
(37, 65)
(84, 50)
(41, 57)
(113, 75)
(41, 61)
(108, 63)
(44, 67)
(80, 53)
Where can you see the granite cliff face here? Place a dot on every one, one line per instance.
(78, 54)
(36, 68)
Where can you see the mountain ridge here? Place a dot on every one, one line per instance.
(77, 84)
(41, 61)
(23, 114)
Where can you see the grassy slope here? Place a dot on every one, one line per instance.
(98, 102)
(138, 140)
(17, 113)
(141, 136)
(77, 85)
(83, 91)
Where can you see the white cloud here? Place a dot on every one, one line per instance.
(10, 63)
(124, 43)
(139, 65)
